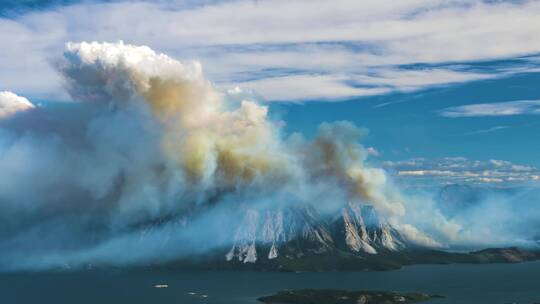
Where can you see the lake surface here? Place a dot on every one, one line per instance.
(462, 284)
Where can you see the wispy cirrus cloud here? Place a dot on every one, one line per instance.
(507, 108)
(488, 130)
(354, 48)
(450, 170)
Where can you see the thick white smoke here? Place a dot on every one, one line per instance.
(147, 139)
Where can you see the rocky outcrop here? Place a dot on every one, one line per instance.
(265, 233)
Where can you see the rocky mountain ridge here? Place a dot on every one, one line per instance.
(356, 229)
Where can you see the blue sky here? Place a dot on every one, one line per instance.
(431, 80)
(412, 125)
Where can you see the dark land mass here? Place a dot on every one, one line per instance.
(344, 261)
(312, 296)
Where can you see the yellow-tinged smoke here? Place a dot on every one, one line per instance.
(342, 157)
(214, 142)
(210, 140)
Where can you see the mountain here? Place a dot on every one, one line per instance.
(299, 238)
(356, 237)
(297, 232)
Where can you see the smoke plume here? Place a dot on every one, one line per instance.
(147, 139)
(11, 103)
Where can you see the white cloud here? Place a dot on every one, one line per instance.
(374, 152)
(507, 108)
(338, 86)
(422, 171)
(350, 44)
(301, 87)
(11, 103)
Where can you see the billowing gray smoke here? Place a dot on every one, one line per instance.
(148, 140)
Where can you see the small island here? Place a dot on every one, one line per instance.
(323, 296)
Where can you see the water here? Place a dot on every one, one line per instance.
(462, 284)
